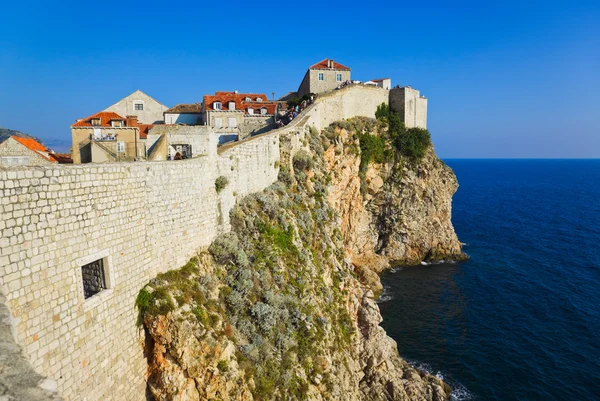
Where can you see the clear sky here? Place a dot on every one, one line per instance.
(504, 79)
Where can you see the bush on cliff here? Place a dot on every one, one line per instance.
(413, 143)
(382, 111)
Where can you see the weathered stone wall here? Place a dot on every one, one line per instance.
(12, 148)
(254, 125)
(18, 380)
(411, 106)
(140, 219)
(200, 137)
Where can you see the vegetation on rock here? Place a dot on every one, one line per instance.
(279, 290)
(221, 183)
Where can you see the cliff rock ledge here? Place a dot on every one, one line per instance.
(284, 306)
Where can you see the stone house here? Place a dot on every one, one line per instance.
(106, 137)
(324, 76)
(147, 109)
(243, 114)
(188, 114)
(20, 151)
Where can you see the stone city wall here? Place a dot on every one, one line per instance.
(139, 219)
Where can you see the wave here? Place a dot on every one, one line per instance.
(385, 296)
(439, 262)
(459, 391)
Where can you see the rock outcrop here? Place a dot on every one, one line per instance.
(284, 307)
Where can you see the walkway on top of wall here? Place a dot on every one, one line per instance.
(298, 121)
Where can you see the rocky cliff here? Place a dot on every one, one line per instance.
(283, 307)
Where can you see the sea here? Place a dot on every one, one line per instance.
(520, 320)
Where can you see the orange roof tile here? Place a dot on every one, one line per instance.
(240, 101)
(323, 64)
(144, 128)
(35, 146)
(105, 118)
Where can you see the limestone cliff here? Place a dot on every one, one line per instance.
(283, 307)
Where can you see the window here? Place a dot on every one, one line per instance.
(9, 161)
(259, 99)
(120, 147)
(93, 277)
(138, 106)
(232, 122)
(218, 122)
(250, 111)
(95, 121)
(217, 106)
(117, 123)
(321, 76)
(263, 111)
(231, 105)
(247, 99)
(338, 77)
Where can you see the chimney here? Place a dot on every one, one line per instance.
(131, 121)
(329, 63)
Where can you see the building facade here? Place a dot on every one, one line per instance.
(187, 114)
(324, 76)
(243, 114)
(19, 151)
(147, 109)
(411, 105)
(107, 136)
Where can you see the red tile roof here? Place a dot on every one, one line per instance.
(323, 64)
(35, 146)
(144, 129)
(240, 101)
(105, 118)
(62, 158)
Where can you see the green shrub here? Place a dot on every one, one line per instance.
(284, 175)
(221, 183)
(372, 149)
(413, 143)
(302, 161)
(201, 315)
(223, 366)
(383, 110)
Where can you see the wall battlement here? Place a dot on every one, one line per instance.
(140, 219)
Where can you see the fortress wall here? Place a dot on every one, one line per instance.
(140, 219)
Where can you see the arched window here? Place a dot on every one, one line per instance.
(259, 99)
(248, 99)
(263, 110)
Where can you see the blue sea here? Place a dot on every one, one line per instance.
(521, 319)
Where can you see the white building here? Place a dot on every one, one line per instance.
(188, 114)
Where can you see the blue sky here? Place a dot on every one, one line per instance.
(514, 79)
